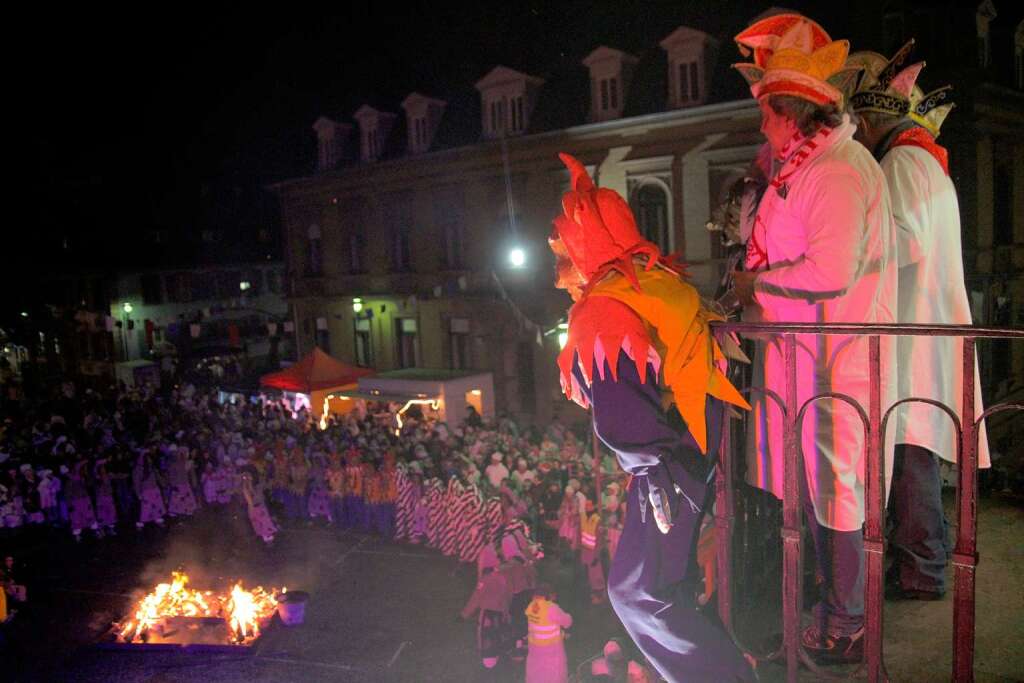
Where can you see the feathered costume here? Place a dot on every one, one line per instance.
(639, 342)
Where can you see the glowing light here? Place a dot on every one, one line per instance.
(24, 314)
(563, 338)
(127, 307)
(244, 285)
(432, 402)
(357, 305)
(475, 392)
(517, 257)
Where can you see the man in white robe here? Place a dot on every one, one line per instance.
(931, 291)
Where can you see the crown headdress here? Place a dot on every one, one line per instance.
(884, 85)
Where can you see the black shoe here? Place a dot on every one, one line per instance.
(824, 648)
(897, 592)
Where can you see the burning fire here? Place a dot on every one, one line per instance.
(242, 609)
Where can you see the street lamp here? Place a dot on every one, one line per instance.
(517, 257)
(244, 285)
(127, 308)
(563, 334)
(357, 305)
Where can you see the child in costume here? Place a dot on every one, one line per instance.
(545, 660)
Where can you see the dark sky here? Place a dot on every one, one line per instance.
(129, 115)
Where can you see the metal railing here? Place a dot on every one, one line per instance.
(965, 555)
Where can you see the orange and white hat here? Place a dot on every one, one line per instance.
(793, 55)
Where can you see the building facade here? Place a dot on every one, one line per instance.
(397, 246)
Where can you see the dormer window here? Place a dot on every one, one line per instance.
(985, 14)
(610, 73)
(691, 54)
(374, 128)
(331, 139)
(422, 116)
(689, 83)
(507, 99)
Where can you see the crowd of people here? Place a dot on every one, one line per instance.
(92, 464)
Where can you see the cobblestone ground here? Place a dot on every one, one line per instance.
(381, 611)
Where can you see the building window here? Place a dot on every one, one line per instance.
(1002, 205)
(151, 291)
(405, 333)
(314, 256)
(1018, 51)
(371, 143)
(613, 87)
(356, 248)
(459, 343)
(985, 13)
(454, 249)
(364, 353)
(651, 209)
(516, 111)
(401, 255)
(604, 95)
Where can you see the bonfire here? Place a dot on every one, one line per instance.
(167, 605)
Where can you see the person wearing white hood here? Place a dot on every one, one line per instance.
(496, 472)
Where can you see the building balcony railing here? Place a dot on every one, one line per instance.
(875, 420)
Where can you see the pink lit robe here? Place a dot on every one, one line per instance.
(831, 246)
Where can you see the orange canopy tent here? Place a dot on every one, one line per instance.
(316, 372)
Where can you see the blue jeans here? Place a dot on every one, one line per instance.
(840, 557)
(918, 538)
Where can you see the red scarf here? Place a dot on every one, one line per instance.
(919, 137)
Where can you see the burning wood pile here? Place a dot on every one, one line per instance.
(174, 613)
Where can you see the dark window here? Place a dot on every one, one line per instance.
(652, 214)
(684, 83)
(274, 281)
(459, 343)
(364, 354)
(314, 263)
(400, 224)
(613, 86)
(1003, 206)
(356, 247)
(694, 82)
(405, 332)
(604, 95)
(151, 292)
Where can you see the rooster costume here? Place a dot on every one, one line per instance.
(639, 341)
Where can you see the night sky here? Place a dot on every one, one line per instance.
(131, 115)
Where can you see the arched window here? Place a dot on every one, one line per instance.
(650, 204)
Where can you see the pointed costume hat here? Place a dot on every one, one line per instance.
(884, 85)
(929, 110)
(794, 56)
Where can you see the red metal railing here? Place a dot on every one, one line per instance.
(965, 555)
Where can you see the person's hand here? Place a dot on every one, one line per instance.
(743, 286)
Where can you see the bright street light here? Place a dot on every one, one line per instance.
(127, 307)
(244, 285)
(357, 305)
(517, 257)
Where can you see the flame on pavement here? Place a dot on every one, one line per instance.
(244, 611)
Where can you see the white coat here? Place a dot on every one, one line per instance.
(931, 290)
(830, 244)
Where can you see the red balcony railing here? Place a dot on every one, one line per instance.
(965, 555)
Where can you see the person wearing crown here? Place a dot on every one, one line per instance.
(640, 353)
(899, 124)
(822, 250)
